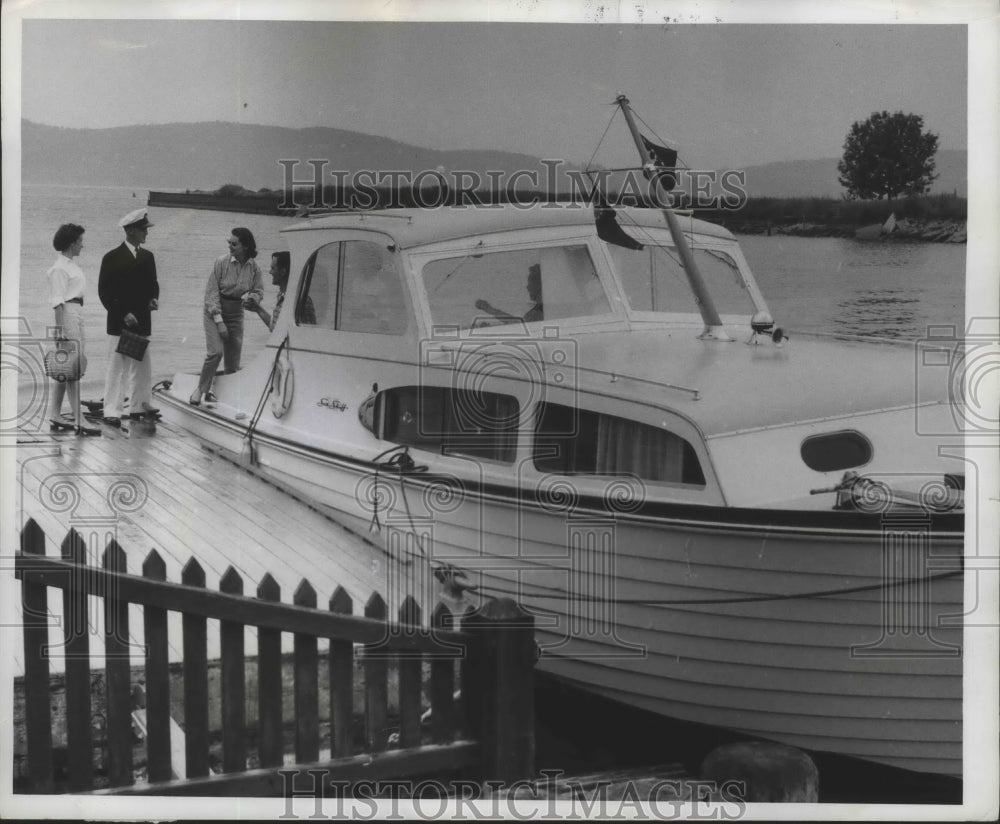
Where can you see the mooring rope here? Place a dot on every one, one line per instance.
(402, 464)
(268, 388)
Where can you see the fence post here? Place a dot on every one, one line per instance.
(502, 658)
(376, 683)
(76, 632)
(158, 755)
(269, 682)
(234, 738)
(37, 693)
(306, 685)
(410, 664)
(195, 680)
(442, 684)
(469, 712)
(119, 673)
(341, 663)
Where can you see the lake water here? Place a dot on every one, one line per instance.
(843, 286)
(829, 285)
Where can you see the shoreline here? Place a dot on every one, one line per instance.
(905, 229)
(926, 231)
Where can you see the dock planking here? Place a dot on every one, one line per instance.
(155, 486)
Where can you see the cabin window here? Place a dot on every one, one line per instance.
(446, 420)
(522, 286)
(836, 451)
(573, 441)
(353, 286)
(654, 280)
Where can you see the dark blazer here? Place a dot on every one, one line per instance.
(126, 284)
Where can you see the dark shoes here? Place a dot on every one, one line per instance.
(195, 400)
(112, 422)
(210, 397)
(65, 426)
(146, 411)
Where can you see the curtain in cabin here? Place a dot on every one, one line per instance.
(629, 447)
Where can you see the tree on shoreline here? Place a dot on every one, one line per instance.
(887, 155)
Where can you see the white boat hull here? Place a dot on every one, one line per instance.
(781, 631)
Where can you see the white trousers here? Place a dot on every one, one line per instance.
(128, 384)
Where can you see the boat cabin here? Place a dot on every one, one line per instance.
(525, 346)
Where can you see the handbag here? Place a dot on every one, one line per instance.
(132, 345)
(65, 363)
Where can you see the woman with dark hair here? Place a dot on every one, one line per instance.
(235, 280)
(66, 288)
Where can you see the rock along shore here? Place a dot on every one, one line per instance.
(931, 231)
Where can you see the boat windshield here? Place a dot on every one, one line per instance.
(511, 286)
(654, 281)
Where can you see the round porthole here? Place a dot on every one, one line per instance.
(836, 450)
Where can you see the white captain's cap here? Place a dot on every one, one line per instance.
(135, 220)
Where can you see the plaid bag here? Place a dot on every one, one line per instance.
(65, 362)
(132, 345)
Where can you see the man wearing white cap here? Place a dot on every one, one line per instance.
(129, 291)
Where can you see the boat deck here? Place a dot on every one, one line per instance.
(156, 487)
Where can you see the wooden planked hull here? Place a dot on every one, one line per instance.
(836, 641)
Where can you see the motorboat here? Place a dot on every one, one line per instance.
(590, 409)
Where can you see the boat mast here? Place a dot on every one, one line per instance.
(709, 314)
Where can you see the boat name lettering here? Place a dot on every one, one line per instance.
(332, 403)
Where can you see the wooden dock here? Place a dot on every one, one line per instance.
(155, 486)
(141, 548)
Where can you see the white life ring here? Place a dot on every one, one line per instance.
(282, 386)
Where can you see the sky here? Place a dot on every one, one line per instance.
(724, 94)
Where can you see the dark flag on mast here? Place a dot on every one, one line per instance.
(665, 161)
(608, 229)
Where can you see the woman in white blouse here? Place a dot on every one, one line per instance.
(66, 288)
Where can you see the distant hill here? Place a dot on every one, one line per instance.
(818, 178)
(209, 155)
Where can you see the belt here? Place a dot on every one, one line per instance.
(226, 297)
(75, 300)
